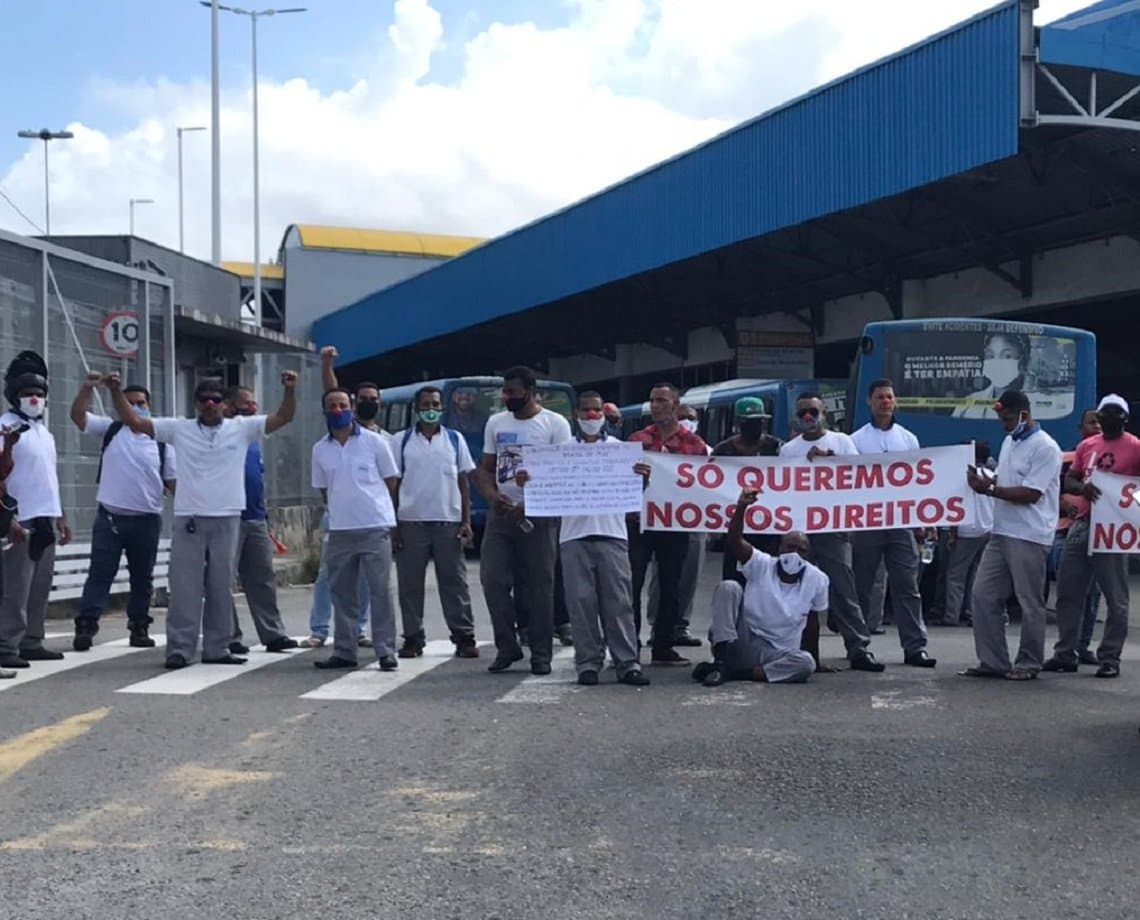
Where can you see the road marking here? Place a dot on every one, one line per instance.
(103, 652)
(199, 677)
(19, 752)
(720, 696)
(548, 688)
(892, 699)
(369, 684)
(194, 780)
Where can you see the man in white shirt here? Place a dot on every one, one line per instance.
(434, 513)
(758, 631)
(207, 512)
(1027, 501)
(896, 548)
(510, 537)
(832, 551)
(29, 560)
(134, 474)
(965, 550)
(358, 478)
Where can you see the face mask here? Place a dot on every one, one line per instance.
(752, 429)
(142, 411)
(1020, 428)
(806, 424)
(591, 426)
(792, 563)
(689, 425)
(515, 403)
(366, 411)
(1000, 372)
(32, 406)
(430, 416)
(338, 420)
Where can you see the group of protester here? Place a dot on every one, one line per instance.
(407, 496)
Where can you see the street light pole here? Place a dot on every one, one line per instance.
(181, 234)
(135, 201)
(45, 135)
(215, 142)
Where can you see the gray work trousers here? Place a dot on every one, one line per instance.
(747, 650)
(832, 553)
(27, 585)
(1077, 571)
(504, 545)
(201, 585)
(259, 582)
(897, 549)
(1010, 566)
(686, 589)
(421, 541)
(873, 610)
(598, 583)
(961, 568)
(354, 555)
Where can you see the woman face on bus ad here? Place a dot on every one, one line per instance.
(1005, 360)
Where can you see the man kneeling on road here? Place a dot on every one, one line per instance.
(759, 632)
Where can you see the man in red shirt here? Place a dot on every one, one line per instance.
(1112, 451)
(664, 435)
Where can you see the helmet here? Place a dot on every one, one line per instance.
(26, 370)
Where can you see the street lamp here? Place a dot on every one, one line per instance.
(135, 201)
(254, 15)
(181, 240)
(45, 135)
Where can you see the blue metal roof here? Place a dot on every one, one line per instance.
(1105, 36)
(939, 108)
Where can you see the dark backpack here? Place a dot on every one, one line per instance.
(109, 436)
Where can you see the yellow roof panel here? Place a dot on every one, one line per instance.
(398, 242)
(245, 270)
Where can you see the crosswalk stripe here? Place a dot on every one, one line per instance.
(102, 652)
(547, 688)
(370, 683)
(198, 677)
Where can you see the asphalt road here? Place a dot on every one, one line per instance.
(457, 793)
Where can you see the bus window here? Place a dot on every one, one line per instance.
(396, 416)
(470, 406)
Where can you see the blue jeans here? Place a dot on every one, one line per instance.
(111, 536)
(321, 611)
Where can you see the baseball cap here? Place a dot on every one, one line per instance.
(1113, 400)
(751, 407)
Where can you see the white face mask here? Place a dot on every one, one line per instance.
(32, 406)
(1001, 372)
(792, 563)
(689, 425)
(591, 426)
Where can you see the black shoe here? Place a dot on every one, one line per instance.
(224, 659)
(465, 647)
(86, 628)
(700, 672)
(503, 661)
(563, 635)
(175, 662)
(1087, 656)
(389, 663)
(686, 639)
(1059, 664)
(667, 656)
(333, 663)
(13, 661)
(238, 648)
(412, 648)
(867, 662)
(717, 674)
(39, 653)
(920, 659)
(281, 643)
(140, 636)
(1108, 669)
(634, 679)
(588, 678)
(541, 668)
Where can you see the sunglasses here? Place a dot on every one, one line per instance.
(210, 400)
(812, 413)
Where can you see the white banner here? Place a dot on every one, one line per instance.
(1114, 524)
(578, 478)
(925, 488)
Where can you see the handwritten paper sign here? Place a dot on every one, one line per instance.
(579, 478)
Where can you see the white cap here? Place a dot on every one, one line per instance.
(1113, 400)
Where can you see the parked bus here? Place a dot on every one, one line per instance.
(467, 404)
(948, 374)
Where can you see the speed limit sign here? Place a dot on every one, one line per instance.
(119, 334)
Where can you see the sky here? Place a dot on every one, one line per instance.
(442, 116)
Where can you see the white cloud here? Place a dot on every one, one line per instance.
(537, 119)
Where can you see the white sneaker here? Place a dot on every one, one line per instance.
(313, 642)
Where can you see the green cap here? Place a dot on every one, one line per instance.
(751, 407)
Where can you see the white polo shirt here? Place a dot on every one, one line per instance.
(34, 480)
(835, 441)
(872, 440)
(1035, 463)
(353, 475)
(131, 482)
(775, 610)
(505, 437)
(212, 460)
(430, 471)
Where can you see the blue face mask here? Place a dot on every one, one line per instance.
(342, 418)
(142, 411)
(1020, 428)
